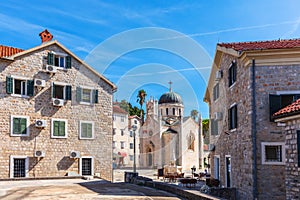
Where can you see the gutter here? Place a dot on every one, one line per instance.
(253, 132)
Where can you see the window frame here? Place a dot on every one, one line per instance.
(216, 92)
(130, 145)
(122, 145)
(27, 82)
(52, 128)
(232, 74)
(263, 153)
(65, 95)
(80, 130)
(232, 116)
(93, 95)
(11, 165)
(12, 126)
(67, 60)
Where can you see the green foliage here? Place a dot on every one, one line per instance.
(124, 105)
(205, 124)
(194, 114)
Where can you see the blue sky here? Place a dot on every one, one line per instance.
(145, 44)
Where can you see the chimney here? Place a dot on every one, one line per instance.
(45, 36)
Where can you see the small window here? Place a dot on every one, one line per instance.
(19, 166)
(122, 145)
(86, 130)
(232, 74)
(122, 118)
(216, 92)
(273, 153)
(167, 111)
(135, 121)
(131, 157)
(59, 128)
(232, 114)
(59, 60)
(61, 91)
(19, 86)
(131, 145)
(114, 117)
(114, 144)
(19, 126)
(131, 134)
(114, 131)
(173, 111)
(191, 142)
(86, 95)
(122, 132)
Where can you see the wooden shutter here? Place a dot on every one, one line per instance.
(235, 116)
(68, 62)
(30, 87)
(78, 94)
(62, 128)
(53, 90)
(95, 96)
(23, 126)
(89, 130)
(56, 128)
(298, 147)
(9, 85)
(50, 59)
(274, 104)
(68, 92)
(214, 127)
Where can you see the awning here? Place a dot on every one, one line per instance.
(123, 154)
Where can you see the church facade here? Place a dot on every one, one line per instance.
(167, 137)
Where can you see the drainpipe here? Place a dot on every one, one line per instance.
(253, 132)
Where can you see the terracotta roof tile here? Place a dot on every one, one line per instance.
(259, 45)
(6, 51)
(117, 109)
(293, 108)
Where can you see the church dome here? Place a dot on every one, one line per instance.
(170, 97)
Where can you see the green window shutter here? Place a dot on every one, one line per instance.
(89, 130)
(23, 126)
(16, 126)
(78, 94)
(62, 128)
(30, 87)
(84, 129)
(68, 92)
(56, 128)
(50, 59)
(68, 62)
(9, 85)
(53, 90)
(95, 96)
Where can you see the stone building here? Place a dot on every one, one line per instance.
(168, 137)
(289, 118)
(123, 138)
(56, 114)
(249, 82)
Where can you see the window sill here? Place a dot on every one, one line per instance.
(19, 135)
(83, 138)
(85, 103)
(58, 137)
(273, 163)
(20, 96)
(230, 87)
(232, 130)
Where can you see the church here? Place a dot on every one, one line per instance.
(167, 137)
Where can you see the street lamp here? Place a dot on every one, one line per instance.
(134, 127)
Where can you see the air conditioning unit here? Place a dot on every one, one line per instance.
(211, 147)
(51, 68)
(58, 102)
(39, 154)
(219, 75)
(40, 123)
(218, 116)
(74, 154)
(39, 82)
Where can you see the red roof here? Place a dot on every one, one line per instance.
(6, 51)
(259, 45)
(117, 109)
(291, 109)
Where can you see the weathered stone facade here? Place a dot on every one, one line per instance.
(274, 74)
(31, 64)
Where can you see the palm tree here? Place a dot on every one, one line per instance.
(141, 100)
(194, 114)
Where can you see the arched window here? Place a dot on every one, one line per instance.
(161, 112)
(191, 141)
(179, 112)
(167, 111)
(173, 111)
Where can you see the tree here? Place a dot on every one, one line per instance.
(141, 100)
(205, 129)
(194, 114)
(124, 105)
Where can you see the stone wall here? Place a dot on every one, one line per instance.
(292, 170)
(56, 161)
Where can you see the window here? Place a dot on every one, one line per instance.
(273, 153)
(114, 131)
(191, 141)
(232, 115)
(216, 92)
(86, 130)
(173, 111)
(59, 128)
(131, 145)
(135, 121)
(114, 144)
(19, 86)
(122, 132)
(86, 166)
(232, 74)
(131, 134)
(276, 102)
(19, 166)
(19, 126)
(298, 147)
(61, 91)
(59, 60)
(122, 145)
(114, 117)
(122, 119)
(214, 127)
(131, 157)
(167, 111)
(86, 95)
